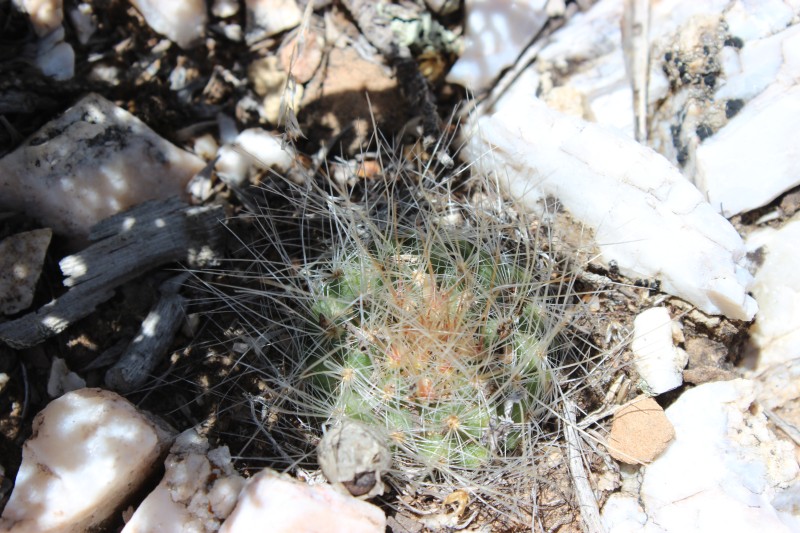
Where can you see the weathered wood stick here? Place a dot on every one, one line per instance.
(127, 245)
(151, 344)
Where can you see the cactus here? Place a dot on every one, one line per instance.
(436, 317)
(437, 335)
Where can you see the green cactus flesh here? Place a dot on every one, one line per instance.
(442, 344)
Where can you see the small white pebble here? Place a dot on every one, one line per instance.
(182, 22)
(656, 359)
(225, 8)
(270, 17)
(84, 21)
(253, 148)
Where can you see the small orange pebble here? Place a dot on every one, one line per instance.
(369, 169)
(640, 432)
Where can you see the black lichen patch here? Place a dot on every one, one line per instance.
(652, 285)
(675, 132)
(683, 155)
(734, 42)
(112, 136)
(757, 256)
(704, 131)
(732, 107)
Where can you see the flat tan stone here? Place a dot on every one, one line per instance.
(639, 432)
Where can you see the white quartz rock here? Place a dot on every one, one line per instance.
(645, 215)
(753, 159)
(496, 33)
(623, 514)
(657, 360)
(754, 19)
(90, 451)
(93, 161)
(62, 379)
(225, 8)
(254, 148)
(266, 18)
(288, 505)
(760, 64)
(587, 52)
(199, 490)
(84, 21)
(54, 57)
(587, 57)
(775, 336)
(46, 15)
(181, 21)
(724, 471)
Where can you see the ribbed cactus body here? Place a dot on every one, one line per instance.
(417, 306)
(440, 338)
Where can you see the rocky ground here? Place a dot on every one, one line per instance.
(685, 258)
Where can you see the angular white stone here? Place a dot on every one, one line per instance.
(54, 57)
(753, 159)
(199, 490)
(181, 21)
(725, 470)
(496, 33)
(587, 55)
(93, 161)
(46, 15)
(589, 47)
(62, 379)
(269, 17)
(623, 514)
(754, 19)
(225, 8)
(253, 148)
(761, 63)
(775, 336)
(645, 215)
(84, 21)
(656, 359)
(90, 450)
(288, 506)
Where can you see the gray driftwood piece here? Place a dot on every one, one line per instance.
(127, 245)
(587, 501)
(154, 339)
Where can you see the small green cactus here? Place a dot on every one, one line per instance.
(440, 340)
(435, 318)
